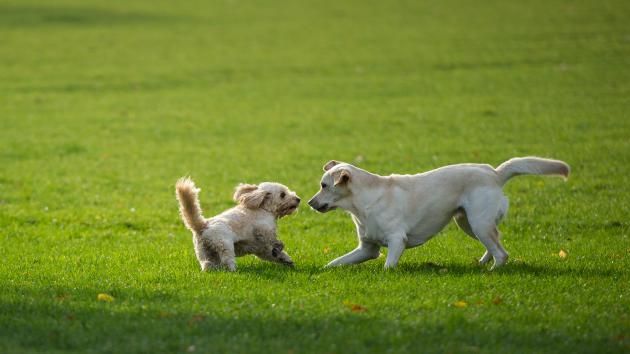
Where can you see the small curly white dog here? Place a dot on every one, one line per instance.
(248, 228)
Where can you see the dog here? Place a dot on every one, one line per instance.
(248, 228)
(405, 211)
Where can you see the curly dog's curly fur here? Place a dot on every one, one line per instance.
(248, 228)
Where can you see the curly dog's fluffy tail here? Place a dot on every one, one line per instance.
(187, 195)
(531, 166)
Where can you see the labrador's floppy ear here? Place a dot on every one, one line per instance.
(330, 164)
(249, 195)
(341, 177)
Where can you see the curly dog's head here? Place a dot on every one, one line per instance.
(273, 197)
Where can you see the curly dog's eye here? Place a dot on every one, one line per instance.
(282, 195)
(324, 185)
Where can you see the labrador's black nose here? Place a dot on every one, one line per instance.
(323, 208)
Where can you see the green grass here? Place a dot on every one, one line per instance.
(103, 105)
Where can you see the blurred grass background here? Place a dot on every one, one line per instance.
(103, 105)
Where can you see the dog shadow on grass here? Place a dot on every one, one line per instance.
(514, 268)
(273, 271)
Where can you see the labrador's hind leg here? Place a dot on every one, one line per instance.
(461, 219)
(489, 235)
(484, 211)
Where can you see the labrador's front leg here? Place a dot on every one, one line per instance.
(364, 252)
(395, 246)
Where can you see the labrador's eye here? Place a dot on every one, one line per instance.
(282, 195)
(324, 185)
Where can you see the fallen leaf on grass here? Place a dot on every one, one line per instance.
(62, 297)
(164, 314)
(562, 254)
(326, 250)
(104, 297)
(460, 304)
(355, 307)
(497, 300)
(196, 319)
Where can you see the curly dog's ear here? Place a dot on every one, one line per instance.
(243, 189)
(249, 195)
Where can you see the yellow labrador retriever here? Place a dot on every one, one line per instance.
(405, 211)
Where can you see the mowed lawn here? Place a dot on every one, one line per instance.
(104, 105)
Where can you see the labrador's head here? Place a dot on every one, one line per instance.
(334, 187)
